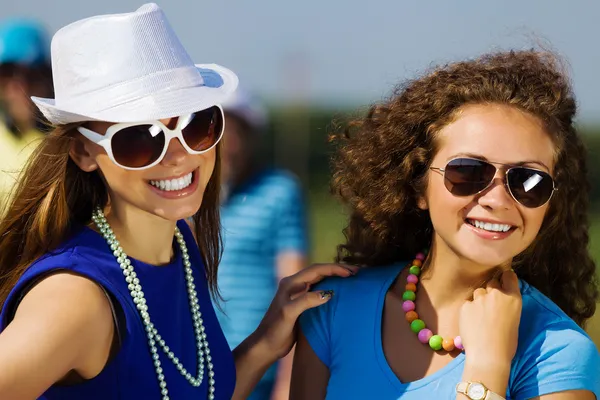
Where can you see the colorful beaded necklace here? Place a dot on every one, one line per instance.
(436, 342)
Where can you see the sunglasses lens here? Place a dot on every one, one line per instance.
(530, 187)
(136, 147)
(204, 129)
(467, 176)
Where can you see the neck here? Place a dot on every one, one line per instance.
(450, 279)
(142, 236)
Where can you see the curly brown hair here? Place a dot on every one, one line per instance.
(382, 160)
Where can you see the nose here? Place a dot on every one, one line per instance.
(175, 155)
(496, 196)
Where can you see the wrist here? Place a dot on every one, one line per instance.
(256, 349)
(476, 391)
(475, 369)
(487, 361)
(492, 372)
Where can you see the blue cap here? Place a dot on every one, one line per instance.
(24, 42)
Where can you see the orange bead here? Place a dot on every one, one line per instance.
(411, 286)
(418, 263)
(448, 344)
(411, 316)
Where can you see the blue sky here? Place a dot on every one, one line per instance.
(353, 52)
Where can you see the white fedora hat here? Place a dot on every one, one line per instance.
(128, 68)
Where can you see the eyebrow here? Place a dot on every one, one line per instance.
(482, 158)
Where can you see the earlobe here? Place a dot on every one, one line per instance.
(81, 155)
(422, 203)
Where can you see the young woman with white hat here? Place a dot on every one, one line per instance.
(105, 290)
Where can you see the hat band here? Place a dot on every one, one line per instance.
(118, 94)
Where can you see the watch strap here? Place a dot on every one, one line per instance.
(462, 387)
(493, 396)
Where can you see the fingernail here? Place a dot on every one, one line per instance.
(326, 294)
(353, 272)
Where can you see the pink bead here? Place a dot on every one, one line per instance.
(420, 256)
(458, 343)
(408, 306)
(424, 335)
(412, 279)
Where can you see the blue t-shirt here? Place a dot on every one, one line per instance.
(131, 373)
(261, 219)
(553, 354)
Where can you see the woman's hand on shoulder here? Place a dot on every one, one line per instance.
(63, 324)
(277, 332)
(278, 327)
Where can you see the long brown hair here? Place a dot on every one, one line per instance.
(53, 196)
(383, 158)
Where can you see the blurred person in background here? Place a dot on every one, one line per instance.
(24, 72)
(264, 232)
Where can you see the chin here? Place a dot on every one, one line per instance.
(488, 256)
(174, 212)
(487, 251)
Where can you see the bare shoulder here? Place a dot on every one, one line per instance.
(66, 298)
(63, 287)
(71, 307)
(64, 323)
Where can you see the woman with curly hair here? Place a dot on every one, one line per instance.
(468, 207)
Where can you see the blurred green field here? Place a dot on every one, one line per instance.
(326, 219)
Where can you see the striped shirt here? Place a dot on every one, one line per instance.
(261, 219)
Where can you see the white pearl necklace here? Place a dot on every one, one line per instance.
(154, 337)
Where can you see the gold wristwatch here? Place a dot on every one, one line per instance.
(477, 391)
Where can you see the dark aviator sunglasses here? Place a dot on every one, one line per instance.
(469, 176)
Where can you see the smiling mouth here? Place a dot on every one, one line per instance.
(172, 185)
(490, 227)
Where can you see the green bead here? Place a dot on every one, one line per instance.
(435, 342)
(417, 325)
(415, 270)
(409, 295)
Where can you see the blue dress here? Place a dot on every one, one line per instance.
(131, 373)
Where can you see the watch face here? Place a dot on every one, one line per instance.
(476, 391)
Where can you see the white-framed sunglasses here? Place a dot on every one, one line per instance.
(142, 145)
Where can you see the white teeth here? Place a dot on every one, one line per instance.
(489, 226)
(173, 184)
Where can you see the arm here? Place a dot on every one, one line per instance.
(63, 324)
(309, 375)
(558, 363)
(496, 379)
(291, 245)
(568, 395)
(252, 359)
(493, 375)
(288, 263)
(276, 334)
